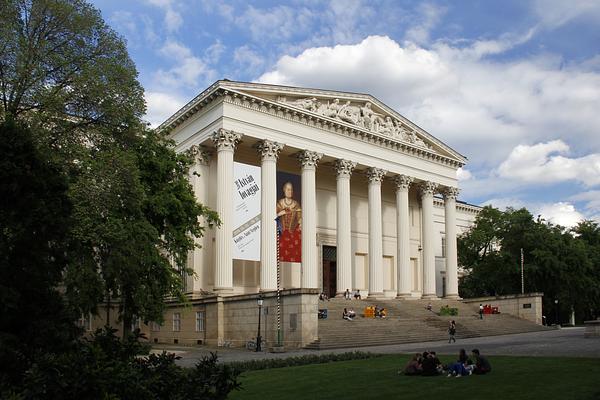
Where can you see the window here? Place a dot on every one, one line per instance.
(176, 322)
(154, 326)
(85, 322)
(199, 321)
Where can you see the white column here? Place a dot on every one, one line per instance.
(427, 191)
(225, 141)
(309, 160)
(199, 180)
(269, 151)
(403, 237)
(344, 234)
(375, 176)
(451, 254)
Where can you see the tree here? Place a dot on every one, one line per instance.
(558, 262)
(34, 220)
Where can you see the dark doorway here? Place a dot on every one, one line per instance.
(329, 270)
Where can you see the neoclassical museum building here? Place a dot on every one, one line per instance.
(342, 190)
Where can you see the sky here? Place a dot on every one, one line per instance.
(513, 85)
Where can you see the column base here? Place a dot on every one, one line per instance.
(405, 296)
(452, 297)
(430, 297)
(376, 296)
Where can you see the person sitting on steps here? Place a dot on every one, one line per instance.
(347, 295)
(357, 294)
(351, 313)
(323, 297)
(346, 315)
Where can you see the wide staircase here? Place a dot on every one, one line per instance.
(408, 321)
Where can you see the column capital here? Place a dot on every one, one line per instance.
(375, 175)
(200, 154)
(226, 140)
(427, 188)
(403, 182)
(344, 168)
(309, 159)
(450, 192)
(269, 150)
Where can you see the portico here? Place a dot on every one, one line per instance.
(369, 179)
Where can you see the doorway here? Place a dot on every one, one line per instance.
(329, 270)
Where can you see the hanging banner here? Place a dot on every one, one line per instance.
(289, 213)
(246, 212)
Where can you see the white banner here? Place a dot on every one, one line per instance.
(246, 212)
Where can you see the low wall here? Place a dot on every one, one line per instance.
(232, 321)
(527, 306)
(592, 329)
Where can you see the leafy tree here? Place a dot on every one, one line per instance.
(34, 219)
(558, 262)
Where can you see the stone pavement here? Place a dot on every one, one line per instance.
(561, 342)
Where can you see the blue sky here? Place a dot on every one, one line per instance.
(513, 85)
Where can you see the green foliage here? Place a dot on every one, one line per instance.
(447, 310)
(252, 365)
(560, 263)
(34, 216)
(108, 368)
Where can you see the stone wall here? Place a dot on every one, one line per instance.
(233, 320)
(527, 306)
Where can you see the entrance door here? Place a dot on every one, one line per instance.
(329, 271)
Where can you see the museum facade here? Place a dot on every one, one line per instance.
(317, 191)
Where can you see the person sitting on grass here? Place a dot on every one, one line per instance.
(428, 365)
(346, 315)
(482, 365)
(438, 363)
(461, 367)
(351, 313)
(413, 367)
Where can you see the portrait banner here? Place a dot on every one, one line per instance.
(246, 212)
(289, 217)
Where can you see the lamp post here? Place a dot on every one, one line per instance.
(258, 337)
(556, 311)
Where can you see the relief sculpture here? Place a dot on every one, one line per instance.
(361, 115)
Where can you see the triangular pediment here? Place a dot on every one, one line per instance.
(356, 111)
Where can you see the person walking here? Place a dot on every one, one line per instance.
(480, 311)
(452, 332)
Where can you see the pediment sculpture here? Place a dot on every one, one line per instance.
(361, 115)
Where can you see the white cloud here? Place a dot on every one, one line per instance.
(187, 69)
(429, 17)
(161, 106)
(173, 18)
(542, 163)
(248, 58)
(591, 202)
(502, 203)
(561, 213)
(458, 93)
(555, 13)
(214, 51)
(463, 174)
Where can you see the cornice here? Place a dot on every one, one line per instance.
(469, 208)
(229, 95)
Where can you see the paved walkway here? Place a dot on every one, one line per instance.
(562, 342)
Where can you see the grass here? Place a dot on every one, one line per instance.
(512, 378)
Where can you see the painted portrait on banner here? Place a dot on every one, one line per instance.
(289, 217)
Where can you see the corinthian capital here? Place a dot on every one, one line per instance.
(403, 181)
(309, 159)
(450, 192)
(201, 154)
(269, 150)
(344, 168)
(226, 140)
(428, 188)
(375, 175)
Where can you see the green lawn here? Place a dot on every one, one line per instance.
(512, 378)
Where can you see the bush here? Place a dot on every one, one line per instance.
(107, 368)
(252, 365)
(447, 310)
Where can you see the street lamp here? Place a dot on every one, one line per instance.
(258, 337)
(556, 311)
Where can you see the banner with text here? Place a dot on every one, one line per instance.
(246, 212)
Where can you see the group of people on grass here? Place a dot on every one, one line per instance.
(428, 364)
